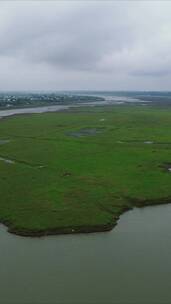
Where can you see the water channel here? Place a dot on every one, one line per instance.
(131, 264)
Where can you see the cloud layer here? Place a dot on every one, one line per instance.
(85, 45)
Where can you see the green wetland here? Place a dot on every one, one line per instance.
(78, 171)
(88, 169)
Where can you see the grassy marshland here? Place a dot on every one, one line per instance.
(79, 170)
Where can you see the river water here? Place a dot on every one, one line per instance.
(56, 108)
(129, 265)
(109, 100)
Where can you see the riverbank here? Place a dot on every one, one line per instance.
(84, 229)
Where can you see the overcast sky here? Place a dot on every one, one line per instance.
(101, 45)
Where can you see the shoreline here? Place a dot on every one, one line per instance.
(85, 229)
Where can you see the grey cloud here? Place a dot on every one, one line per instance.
(151, 73)
(83, 45)
(80, 41)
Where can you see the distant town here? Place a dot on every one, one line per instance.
(16, 100)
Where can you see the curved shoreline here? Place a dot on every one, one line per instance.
(138, 203)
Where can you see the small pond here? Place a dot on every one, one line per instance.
(85, 132)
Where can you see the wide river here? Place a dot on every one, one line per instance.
(56, 108)
(131, 264)
(110, 100)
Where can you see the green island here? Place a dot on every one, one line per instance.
(79, 170)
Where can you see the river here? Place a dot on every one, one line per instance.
(108, 100)
(129, 265)
(44, 109)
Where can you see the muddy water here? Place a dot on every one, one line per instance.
(131, 264)
(56, 108)
(4, 141)
(85, 132)
(5, 160)
(4, 113)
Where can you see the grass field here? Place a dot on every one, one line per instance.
(77, 171)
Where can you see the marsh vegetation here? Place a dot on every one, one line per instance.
(52, 182)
